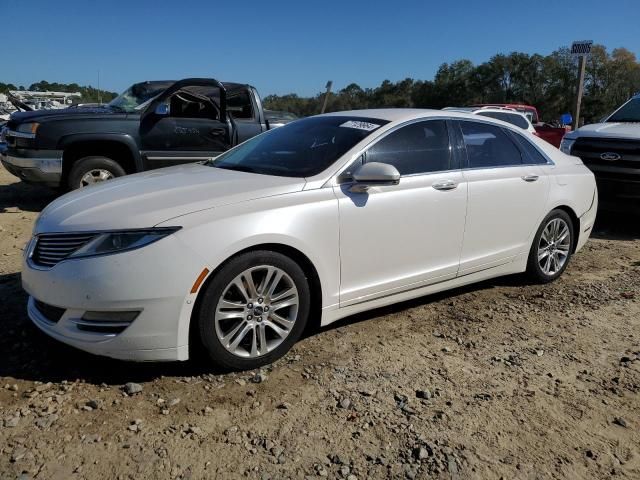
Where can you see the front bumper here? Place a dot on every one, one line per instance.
(38, 166)
(154, 280)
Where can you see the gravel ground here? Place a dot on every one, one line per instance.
(497, 380)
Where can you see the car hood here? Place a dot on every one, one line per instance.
(147, 199)
(62, 114)
(608, 129)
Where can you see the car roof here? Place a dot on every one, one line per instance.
(406, 114)
(398, 114)
(508, 111)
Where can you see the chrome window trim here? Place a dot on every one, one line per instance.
(332, 181)
(549, 161)
(514, 132)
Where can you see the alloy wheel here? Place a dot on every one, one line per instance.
(95, 176)
(554, 246)
(256, 311)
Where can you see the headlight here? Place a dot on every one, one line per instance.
(28, 128)
(566, 144)
(116, 242)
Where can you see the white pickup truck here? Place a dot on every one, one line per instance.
(611, 149)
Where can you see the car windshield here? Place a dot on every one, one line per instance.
(137, 96)
(629, 112)
(299, 149)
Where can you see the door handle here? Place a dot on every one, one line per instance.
(445, 185)
(530, 178)
(216, 132)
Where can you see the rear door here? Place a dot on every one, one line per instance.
(246, 112)
(507, 192)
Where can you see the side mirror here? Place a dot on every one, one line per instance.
(162, 109)
(374, 174)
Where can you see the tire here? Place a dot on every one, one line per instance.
(228, 311)
(557, 244)
(96, 167)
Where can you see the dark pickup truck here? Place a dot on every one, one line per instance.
(150, 125)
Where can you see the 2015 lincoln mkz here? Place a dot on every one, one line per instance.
(322, 218)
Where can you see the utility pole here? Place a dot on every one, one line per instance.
(581, 50)
(99, 92)
(582, 63)
(326, 96)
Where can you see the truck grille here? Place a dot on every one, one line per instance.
(52, 248)
(590, 149)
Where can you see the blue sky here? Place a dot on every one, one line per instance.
(288, 46)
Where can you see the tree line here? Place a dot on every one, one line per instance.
(546, 82)
(89, 94)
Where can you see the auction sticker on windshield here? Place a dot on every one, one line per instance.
(360, 125)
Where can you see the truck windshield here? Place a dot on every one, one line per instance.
(299, 149)
(137, 95)
(629, 112)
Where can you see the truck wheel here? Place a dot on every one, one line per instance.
(89, 170)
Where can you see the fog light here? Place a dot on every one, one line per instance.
(110, 316)
(111, 323)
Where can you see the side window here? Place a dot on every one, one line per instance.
(489, 146)
(513, 118)
(531, 153)
(186, 103)
(417, 148)
(239, 105)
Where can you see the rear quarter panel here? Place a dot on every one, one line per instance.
(572, 185)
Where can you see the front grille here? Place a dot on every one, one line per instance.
(52, 248)
(590, 149)
(51, 313)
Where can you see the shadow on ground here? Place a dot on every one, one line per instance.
(612, 225)
(20, 196)
(29, 354)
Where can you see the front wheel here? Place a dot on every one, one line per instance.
(552, 247)
(90, 170)
(254, 310)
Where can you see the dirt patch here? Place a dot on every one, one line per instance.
(500, 379)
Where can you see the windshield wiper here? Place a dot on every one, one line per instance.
(237, 168)
(117, 108)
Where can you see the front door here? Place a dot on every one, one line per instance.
(192, 130)
(396, 238)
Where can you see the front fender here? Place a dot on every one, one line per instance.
(306, 221)
(121, 138)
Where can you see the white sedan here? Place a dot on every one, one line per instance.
(505, 114)
(317, 220)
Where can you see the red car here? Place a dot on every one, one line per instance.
(547, 132)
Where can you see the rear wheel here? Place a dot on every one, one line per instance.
(254, 310)
(90, 170)
(552, 247)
